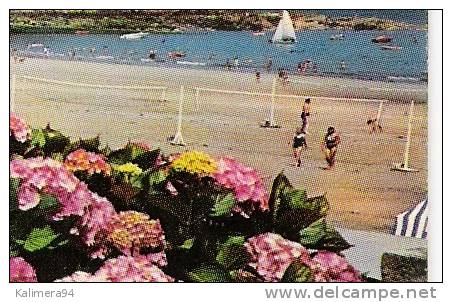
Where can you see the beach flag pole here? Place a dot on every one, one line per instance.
(197, 98)
(270, 123)
(13, 92)
(178, 140)
(404, 167)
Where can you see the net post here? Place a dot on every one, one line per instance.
(197, 98)
(178, 140)
(380, 110)
(406, 156)
(270, 123)
(163, 96)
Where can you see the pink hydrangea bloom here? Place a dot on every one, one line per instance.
(18, 128)
(248, 188)
(48, 176)
(81, 160)
(330, 267)
(21, 271)
(271, 255)
(122, 269)
(131, 231)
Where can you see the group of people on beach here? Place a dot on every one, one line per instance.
(330, 141)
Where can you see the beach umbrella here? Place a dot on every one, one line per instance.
(413, 222)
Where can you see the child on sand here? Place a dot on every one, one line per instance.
(329, 146)
(299, 141)
(306, 112)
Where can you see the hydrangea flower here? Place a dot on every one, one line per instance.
(21, 271)
(122, 269)
(271, 255)
(18, 128)
(194, 162)
(131, 231)
(248, 188)
(48, 176)
(81, 160)
(330, 267)
(128, 168)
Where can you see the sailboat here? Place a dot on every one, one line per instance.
(285, 33)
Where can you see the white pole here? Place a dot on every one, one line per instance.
(406, 156)
(380, 109)
(197, 98)
(13, 92)
(163, 96)
(272, 107)
(178, 140)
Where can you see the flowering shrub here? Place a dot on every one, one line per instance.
(330, 267)
(18, 128)
(248, 188)
(21, 271)
(271, 255)
(194, 162)
(128, 168)
(132, 231)
(80, 160)
(122, 269)
(79, 213)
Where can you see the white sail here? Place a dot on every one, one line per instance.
(285, 32)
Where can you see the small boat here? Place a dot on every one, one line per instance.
(285, 33)
(258, 33)
(382, 39)
(176, 54)
(81, 32)
(134, 36)
(388, 47)
(337, 37)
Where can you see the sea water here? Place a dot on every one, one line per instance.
(356, 53)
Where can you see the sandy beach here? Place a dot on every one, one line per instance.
(363, 193)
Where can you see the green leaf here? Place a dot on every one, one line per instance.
(38, 138)
(145, 160)
(39, 238)
(90, 144)
(243, 276)
(311, 236)
(223, 205)
(56, 142)
(157, 177)
(297, 212)
(232, 253)
(319, 235)
(297, 272)
(121, 156)
(209, 273)
(187, 244)
(48, 202)
(14, 184)
(280, 184)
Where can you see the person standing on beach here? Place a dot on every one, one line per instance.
(299, 141)
(258, 76)
(329, 146)
(305, 113)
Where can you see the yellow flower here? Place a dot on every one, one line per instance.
(128, 168)
(195, 162)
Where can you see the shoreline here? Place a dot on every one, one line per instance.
(417, 83)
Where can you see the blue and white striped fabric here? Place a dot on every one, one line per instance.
(413, 222)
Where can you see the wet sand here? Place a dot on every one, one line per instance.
(364, 194)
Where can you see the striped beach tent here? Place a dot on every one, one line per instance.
(413, 222)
